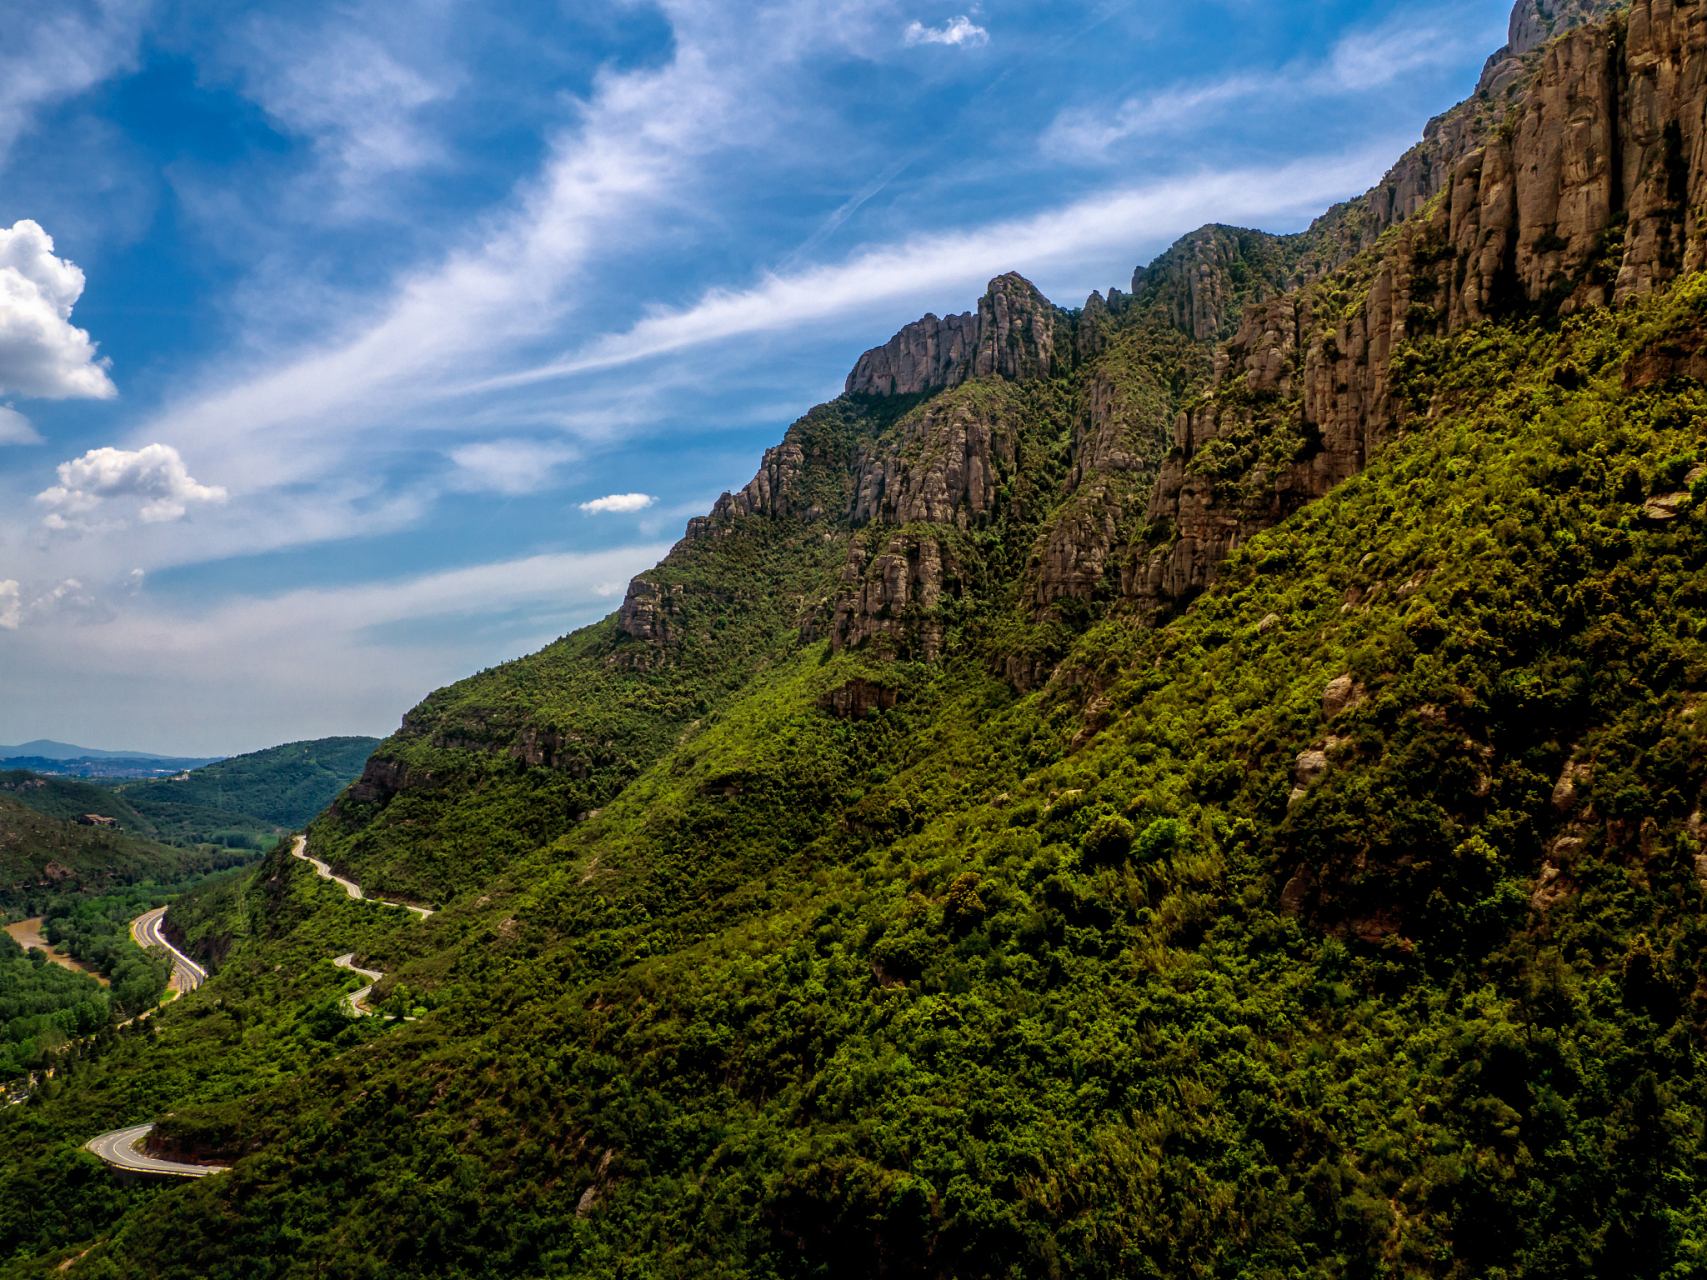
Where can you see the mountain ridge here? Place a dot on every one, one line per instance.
(1151, 789)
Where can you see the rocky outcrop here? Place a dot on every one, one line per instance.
(1012, 335)
(891, 597)
(648, 609)
(1534, 22)
(382, 779)
(1075, 557)
(946, 468)
(1677, 355)
(1204, 279)
(771, 492)
(855, 699)
(1582, 201)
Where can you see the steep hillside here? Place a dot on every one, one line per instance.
(1147, 789)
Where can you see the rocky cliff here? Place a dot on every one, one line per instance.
(1585, 195)
(1013, 335)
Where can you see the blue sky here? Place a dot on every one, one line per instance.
(319, 323)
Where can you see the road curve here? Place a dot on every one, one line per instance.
(300, 850)
(145, 931)
(357, 1000)
(119, 1149)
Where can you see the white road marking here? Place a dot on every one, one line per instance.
(119, 1149)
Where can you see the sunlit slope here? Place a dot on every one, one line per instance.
(1166, 968)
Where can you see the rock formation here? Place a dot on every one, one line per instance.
(1013, 336)
(945, 469)
(893, 595)
(1583, 199)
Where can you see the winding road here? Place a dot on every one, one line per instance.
(145, 931)
(357, 1000)
(119, 1147)
(300, 850)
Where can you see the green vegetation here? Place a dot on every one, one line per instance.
(935, 987)
(245, 803)
(96, 931)
(1351, 924)
(42, 1007)
(42, 858)
(248, 801)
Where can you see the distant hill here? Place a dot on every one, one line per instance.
(41, 856)
(47, 749)
(282, 786)
(244, 803)
(103, 766)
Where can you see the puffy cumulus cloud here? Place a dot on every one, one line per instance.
(15, 428)
(11, 604)
(620, 502)
(507, 466)
(41, 352)
(957, 31)
(154, 475)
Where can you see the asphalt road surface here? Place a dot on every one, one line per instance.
(119, 1149)
(187, 975)
(357, 999)
(300, 850)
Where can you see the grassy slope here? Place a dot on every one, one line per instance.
(931, 992)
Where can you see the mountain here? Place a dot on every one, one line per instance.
(46, 749)
(1208, 782)
(243, 802)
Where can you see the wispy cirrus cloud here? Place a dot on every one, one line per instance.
(52, 51)
(961, 261)
(508, 466)
(1357, 63)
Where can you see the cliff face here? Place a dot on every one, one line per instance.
(1013, 335)
(1584, 198)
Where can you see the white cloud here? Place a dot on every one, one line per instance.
(15, 428)
(1358, 62)
(957, 31)
(52, 51)
(41, 353)
(963, 260)
(507, 466)
(349, 92)
(605, 185)
(352, 659)
(154, 474)
(620, 502)
(68, 600)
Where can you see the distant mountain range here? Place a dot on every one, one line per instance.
(47, 749)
